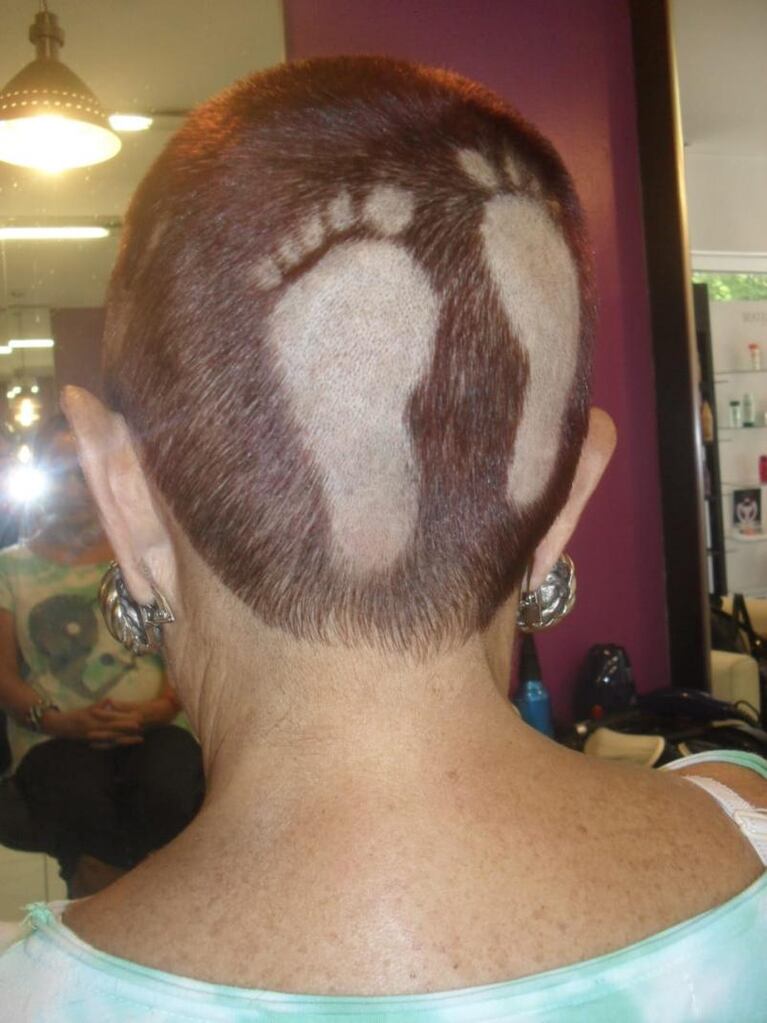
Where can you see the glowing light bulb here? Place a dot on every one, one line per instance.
(27, 413)
(25, 484)
(24, 454)
(51, 143)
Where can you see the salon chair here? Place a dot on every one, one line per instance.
(16, 828)
(734, 676)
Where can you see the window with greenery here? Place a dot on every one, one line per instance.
(729, 287)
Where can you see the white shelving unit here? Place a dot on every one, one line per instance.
(733, 326)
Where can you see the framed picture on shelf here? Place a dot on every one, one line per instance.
(747, 511)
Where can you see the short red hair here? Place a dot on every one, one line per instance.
(191, 363)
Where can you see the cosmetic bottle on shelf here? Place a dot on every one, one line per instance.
(749, 409)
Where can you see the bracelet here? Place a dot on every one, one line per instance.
(34, 716)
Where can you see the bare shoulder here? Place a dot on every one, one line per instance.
(687, 842)
(579, 858)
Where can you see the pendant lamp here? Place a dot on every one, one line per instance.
(49, 118)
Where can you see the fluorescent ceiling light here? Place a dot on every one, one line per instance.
(30, 342)
(15, 234)
(129, 122)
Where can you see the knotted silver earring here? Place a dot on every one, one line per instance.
(137, 626)
(540, 609)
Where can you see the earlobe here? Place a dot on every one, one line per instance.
(118, 487)
(595, 457)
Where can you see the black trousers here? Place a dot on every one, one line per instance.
(117, 804)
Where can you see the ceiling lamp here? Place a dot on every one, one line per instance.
(49, 118)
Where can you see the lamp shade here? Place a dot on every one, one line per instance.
(49, 118)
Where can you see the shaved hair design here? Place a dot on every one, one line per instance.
(350, 329)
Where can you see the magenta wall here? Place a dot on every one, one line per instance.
(567, 67)
(77, 353)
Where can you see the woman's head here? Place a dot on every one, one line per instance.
(349, 330)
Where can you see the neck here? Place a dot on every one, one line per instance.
(267, 706)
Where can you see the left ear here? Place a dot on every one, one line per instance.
(596, 453)
(119, 487)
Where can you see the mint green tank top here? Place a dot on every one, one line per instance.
(712, 967)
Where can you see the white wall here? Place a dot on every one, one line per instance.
(726, 202)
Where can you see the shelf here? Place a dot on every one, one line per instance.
(755, 538)
(732, 372)
(741, 429)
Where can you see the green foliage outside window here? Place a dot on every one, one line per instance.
(733, 287)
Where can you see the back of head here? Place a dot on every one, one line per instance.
(349, 328)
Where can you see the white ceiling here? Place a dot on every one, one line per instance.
(721, 48)
(136, 55)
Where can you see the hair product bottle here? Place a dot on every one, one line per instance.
(749, 409)
(532, 698)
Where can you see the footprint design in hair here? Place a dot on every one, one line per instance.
(354, 332)
(536, 279)
(353, 336)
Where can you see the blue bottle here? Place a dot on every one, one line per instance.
(532, 698)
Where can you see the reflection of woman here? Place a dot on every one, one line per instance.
(347, 357)
(9, 514)
(104, 775)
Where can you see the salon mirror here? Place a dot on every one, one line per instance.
(695, 165)
(142, 58)
(722, 89)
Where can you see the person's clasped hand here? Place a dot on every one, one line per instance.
(101, 724)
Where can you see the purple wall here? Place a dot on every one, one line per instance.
(567, 67)
(77, 353)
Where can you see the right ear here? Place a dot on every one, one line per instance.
(119, 487)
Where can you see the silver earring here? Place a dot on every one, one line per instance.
(137, 626)
(540, 609)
